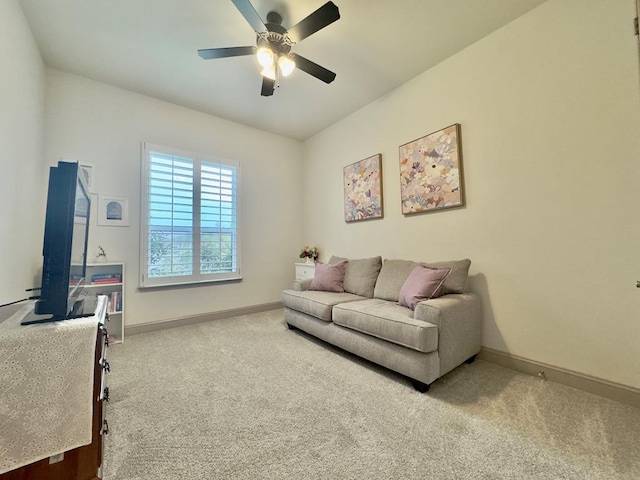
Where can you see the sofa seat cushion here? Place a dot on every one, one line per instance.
(387, 321)
(316, 303)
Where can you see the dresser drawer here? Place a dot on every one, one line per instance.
(305, 270)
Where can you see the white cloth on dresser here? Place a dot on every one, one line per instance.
(46, 387)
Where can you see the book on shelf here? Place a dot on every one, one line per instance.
(115, 302)
(106, 281)
(106, 276)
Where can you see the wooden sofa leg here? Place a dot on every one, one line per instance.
(471, 359)
(419, 386)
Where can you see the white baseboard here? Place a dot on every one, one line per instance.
(193, 319)
(597, 386)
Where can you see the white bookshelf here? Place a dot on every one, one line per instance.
(108, 279)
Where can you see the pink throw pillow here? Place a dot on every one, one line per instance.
(329, 277)
(423, 283)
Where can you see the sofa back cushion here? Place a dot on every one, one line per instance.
(394, 273)
(392, 276)
(361, 275)
(456, 281)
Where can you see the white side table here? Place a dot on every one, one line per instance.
(305, 270)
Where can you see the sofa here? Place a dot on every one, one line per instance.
(362, 313)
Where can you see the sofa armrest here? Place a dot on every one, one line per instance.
(459, 321)
(301, 285)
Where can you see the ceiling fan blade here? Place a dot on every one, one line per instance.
(313, 69)
(325, 15)
(268, 86)
(209, 53)
(250, 15)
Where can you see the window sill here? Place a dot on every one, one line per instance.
(190, 283)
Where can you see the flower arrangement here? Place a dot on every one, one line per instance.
(310, 251)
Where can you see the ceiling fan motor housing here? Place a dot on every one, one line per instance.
(275, 37)
(274, 23)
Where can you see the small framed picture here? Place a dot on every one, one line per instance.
(113, 211)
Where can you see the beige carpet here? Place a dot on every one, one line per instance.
(245, 398)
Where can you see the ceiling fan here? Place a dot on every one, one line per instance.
(274, 44)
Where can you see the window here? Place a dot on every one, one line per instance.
(189, 218)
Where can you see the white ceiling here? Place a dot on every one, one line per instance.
(149, 47)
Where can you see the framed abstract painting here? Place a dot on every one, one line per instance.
(431, 172)
(363, 189)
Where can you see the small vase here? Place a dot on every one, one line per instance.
(309, 260)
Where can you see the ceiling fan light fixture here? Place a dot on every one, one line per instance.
(265, 57)
(286, 64)
(274, 42)
(269, 72)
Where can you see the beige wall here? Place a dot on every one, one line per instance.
(104, 126)
(550, 113)
(22, 196)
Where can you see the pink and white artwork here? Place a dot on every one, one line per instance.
(431, 172)
(363, 189)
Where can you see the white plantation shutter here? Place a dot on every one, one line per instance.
(189, 218)
(170, 215)
(218, 218)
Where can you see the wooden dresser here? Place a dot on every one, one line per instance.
(85, 462)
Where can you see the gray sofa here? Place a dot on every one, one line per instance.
(366, 320)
